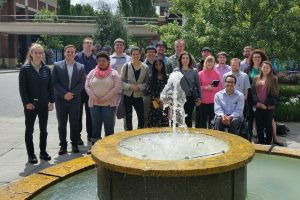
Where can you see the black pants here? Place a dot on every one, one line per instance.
(206, 115)
(264, 119)
(88, 120)
(30, 116)
(65, 110)
(138, 105)
(250, 112)
(234, 126)
(189, 108)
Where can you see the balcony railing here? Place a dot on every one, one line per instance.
(71, 19)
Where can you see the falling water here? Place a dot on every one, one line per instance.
(173, 98)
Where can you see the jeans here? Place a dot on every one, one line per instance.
(138, 105)
(100, 115)
(30, 116)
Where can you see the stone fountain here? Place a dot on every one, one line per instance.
(172, 164)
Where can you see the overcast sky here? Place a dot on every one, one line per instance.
(112, 3)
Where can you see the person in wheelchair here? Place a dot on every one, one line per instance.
(228, 107)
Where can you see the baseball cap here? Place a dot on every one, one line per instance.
(161, 43)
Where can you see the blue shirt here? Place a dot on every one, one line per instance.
(231, 105)
(88, 62)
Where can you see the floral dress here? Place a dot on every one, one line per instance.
(157, 115)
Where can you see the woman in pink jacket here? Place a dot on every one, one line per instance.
(102, 85)
(210, 83)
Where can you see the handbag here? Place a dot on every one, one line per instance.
(194, 90)
(121, 107)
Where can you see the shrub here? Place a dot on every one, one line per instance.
(288, 79)
(288, 107)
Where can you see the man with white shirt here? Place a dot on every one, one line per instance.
(242, 79)
(119, 58)
(68, 81)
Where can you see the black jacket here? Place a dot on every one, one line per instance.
(36, 86)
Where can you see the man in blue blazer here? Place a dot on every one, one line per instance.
(68, 81)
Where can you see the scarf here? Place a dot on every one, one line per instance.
(102, 73)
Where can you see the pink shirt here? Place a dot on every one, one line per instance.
(261, 91)
(206, 77)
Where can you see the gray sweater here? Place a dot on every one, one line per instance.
(193, 78)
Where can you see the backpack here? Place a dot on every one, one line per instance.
(281, 129)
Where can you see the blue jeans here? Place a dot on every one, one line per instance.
(100, 115)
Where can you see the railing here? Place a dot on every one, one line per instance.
(71, 19)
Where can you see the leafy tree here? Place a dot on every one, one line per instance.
(82, 10)
(230, 25)
(63, 7)
(136, 8)
(51, 41)
(109, 26)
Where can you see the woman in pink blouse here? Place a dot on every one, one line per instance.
(102, 85)
(210, 82)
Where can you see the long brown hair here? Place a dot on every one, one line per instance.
(271, 81)
(30, 50)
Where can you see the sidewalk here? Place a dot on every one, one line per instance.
(13, 157)
(10, 70)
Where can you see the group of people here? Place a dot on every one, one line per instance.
(222, 94)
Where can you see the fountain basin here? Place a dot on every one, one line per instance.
(217, 176)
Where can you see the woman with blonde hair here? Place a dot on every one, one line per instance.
(210, 82)
(264, 91)
(36, 91)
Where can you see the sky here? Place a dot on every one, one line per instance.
(112, 3)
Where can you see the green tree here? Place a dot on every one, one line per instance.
(82, 10)
(136, 8)
(109, 26)
(51, 41)
(63, 7)
(230, 25)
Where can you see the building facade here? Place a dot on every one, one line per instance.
(14, 47)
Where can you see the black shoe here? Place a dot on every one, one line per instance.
(32, 159)
(80, 142)
(89, 151)
(75, 149)
(45, 156)
(279, 143)
(62, 150)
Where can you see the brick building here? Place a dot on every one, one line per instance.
(14, 47)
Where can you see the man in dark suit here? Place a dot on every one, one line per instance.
(68, 80)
